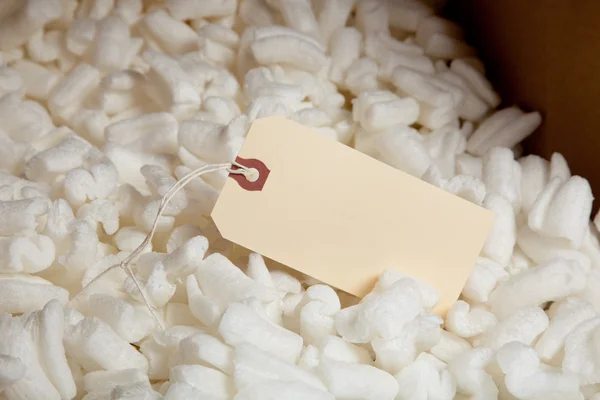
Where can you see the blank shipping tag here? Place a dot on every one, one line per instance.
(342, 217)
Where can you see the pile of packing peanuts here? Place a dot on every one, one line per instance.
(105, 104)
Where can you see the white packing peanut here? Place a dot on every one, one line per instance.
(96, 179)
(45, 47)
(257, 13)
(388, 278)
(551, 281)
(333, 16)
(388, 62)
(253, 365)
(567, 315)
(449, 346)
(209, 141)
(379, 110)
(129, 162)
(23, 293)
(345, 48)
(408, 15)
(23, 121)
(160, 349)
(372, 16)
(402, 147)
(483, 279)
(417, 84)
(38, 79)
(466, 321)
(221, 34)
(220, 109)
(535, 174)
(526, 379)
(168, 85)
(477, 81)
(18, 343)
(205, 349)
(482, 139)
(12, 370)
(503, 236)
(299, 15)
(473, 108)
(336, 348)
(224, 282)
(559, 167)
(128, 10)
(114, 48)
(91, 124)
(153, 133)
(11, 81)
(434, 24)
(541, 249)
(47, 165)
(68, 95)
(420, 334)
(437, 117)
(83, 250)
(382, 314)
(357, 381)
(317, 316)
(200, 194)
(176, 313)
(173, 36)
(209, 382)
(240, 324)
(47, 328)
(22, 216)
(101, 382)
(524, 326)
(152, 278)
(472, 380)
(380, 44)
(130, 324)
(580, 358)
(96, 346)
(426, 378)
(18, 26)
(26, 254)
(289, 49)
(80, 36)
(502, 175)
(362, 75)
(100, 213)
(562, 210)
(513, 128)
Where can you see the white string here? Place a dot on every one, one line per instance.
(180, 184)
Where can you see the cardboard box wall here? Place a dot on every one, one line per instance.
(544, 55)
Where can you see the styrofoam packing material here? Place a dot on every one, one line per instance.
(550, 281)
(426, 378)
(81, 210)
(18, 26)
(525, 379)
(345, 48)
(23, 121)
(562, 210)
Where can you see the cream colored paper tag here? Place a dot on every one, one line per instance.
(343, 217)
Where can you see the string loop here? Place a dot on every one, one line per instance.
(249, 173)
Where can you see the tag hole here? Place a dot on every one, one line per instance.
(252, 174)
